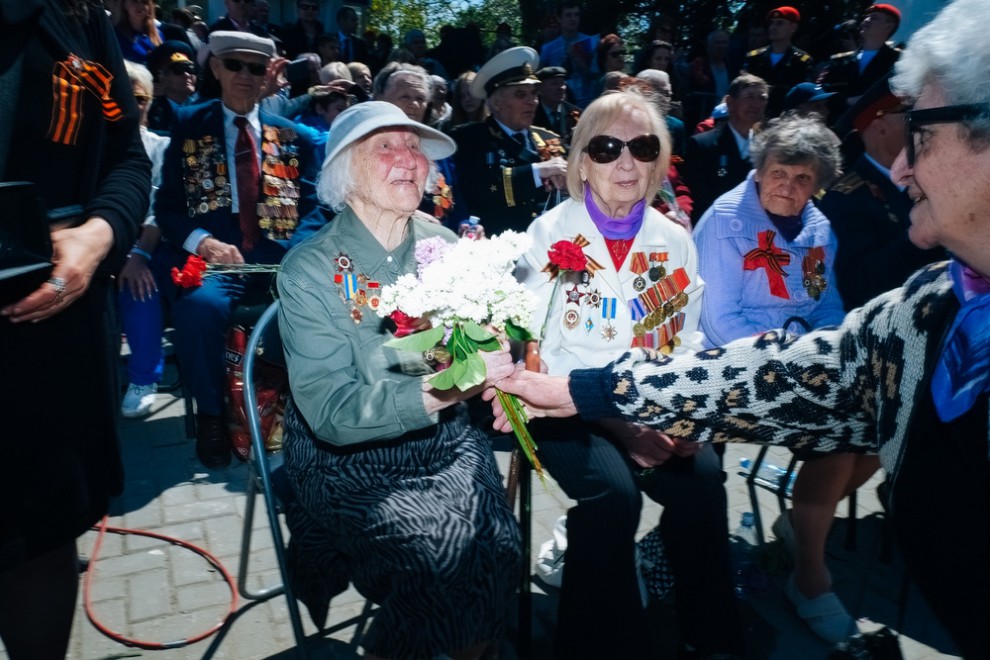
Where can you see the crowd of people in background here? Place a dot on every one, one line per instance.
(738, 166)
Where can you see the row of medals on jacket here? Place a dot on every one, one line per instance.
(656, 272)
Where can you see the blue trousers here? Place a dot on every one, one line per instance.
(201, 317)
(142, 323)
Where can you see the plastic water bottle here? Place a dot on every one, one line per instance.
(768, 475)
(746, 573)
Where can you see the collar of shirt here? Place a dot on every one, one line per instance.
(230, 140)
(511, 133)
(741, 142)
(883, 170)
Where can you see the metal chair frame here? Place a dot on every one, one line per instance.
(260, 481)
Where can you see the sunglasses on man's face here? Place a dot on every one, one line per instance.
(605, 148)
(916, 119)
(253, 68)
(182, 69)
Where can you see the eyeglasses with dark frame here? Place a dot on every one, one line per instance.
(916, 119)
(605, 148)
(253, 68)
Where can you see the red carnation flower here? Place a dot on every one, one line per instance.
(405, 324)
(566, 255)
(191, 274)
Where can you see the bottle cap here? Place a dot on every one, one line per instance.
(745, 463)
(747, 519)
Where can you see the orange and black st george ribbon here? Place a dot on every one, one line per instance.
(70, 80)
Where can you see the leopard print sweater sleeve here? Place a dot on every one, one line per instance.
(850, 388)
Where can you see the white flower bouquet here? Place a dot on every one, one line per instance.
(459, 290)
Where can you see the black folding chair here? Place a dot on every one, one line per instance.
(264, 475)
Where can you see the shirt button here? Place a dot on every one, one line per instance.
(388, 258)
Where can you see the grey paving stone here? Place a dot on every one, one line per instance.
(148, 595)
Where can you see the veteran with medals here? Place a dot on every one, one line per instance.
(633, 281)
(395, 490)
(237, 187)
(512, 171)
(768, 256)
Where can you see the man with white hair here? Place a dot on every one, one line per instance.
(660, 82)
(237, 187)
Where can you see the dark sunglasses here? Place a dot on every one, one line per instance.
(309, 7)
(182, 69)
(253, 68)
(141, 99)
(605, 148)
(949, 114)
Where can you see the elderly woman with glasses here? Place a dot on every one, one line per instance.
(395, 490)
(639, 286)
(907, 374)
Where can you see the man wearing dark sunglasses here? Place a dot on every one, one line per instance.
(300, 37)
(237, 187)
(174, 71)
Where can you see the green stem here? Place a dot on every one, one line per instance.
(517, 418)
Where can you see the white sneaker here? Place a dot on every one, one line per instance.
(138, 400)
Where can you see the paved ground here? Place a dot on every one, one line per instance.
(154, 591)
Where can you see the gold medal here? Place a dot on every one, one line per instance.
(639, 330)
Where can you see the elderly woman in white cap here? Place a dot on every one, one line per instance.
(395, 490)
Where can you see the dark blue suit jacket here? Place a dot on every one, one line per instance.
(179, 201)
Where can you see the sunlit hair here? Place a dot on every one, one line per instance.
(604, 111)
(952, 52)
(138, 73)
(335, 71)
(338, 182)
(380, 83)
(149, 28)
(796, 140)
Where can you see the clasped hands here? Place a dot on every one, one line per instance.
(549, 396)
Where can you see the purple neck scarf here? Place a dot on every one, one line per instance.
(615, 228)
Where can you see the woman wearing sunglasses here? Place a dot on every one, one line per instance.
(639, 287)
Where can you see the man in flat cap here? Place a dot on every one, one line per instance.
(868, 212)
(174, 72)
(781, 64)
(516, 170)
(237, 187)
(850, 74)
(555, 112)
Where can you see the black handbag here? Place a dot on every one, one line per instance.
(25, 246)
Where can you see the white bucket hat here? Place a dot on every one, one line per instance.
(365, 118)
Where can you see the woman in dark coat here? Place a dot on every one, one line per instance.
(57, 353)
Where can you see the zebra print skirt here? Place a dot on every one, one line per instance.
(419, 524)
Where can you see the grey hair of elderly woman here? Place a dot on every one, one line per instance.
(380, 83)
(954, 54)
(138, 73)
(337, 181)
(595, 120)
(794, 140)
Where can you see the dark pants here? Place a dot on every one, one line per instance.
(601, 613)
(201, 316)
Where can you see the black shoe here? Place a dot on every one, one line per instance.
(212, 443)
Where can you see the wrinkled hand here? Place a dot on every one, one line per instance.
(543, 396)
(498, 367)
(76, 253)
(218, 252)
(648, 447)
(137, 277)
(275, 76)
(548, 169)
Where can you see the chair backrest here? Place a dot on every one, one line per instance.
(265, 343)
